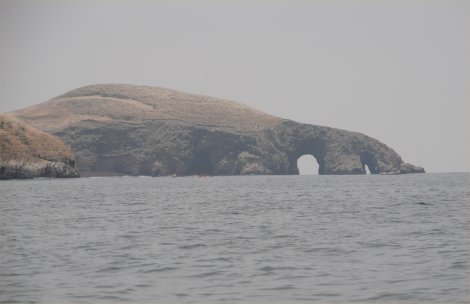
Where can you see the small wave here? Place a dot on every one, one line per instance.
(128, 236)
(379, 245)
(459, 265)
(169, 227)
(231, 213)
(387, 296)
(284, 287)
(213, 230)
(109, 269)
(161, 269)
(105, 286)
(9, 274)
(143, 285)
(126, 247)
(423, 203)
(186, 247)
(113, 298)
(329, 250)
(125, 291)
(271, 268)
(206, 274)
(221, 259)
(266, 268)
(327, 294)
(284, 236)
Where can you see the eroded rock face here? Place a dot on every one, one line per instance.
(26, 152)
(133, 130)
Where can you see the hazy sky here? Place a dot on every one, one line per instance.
(395, 70)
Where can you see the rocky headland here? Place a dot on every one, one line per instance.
(26, 152)
(136, 130)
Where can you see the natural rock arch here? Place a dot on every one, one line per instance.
(338, 151)
(136, 130)
(307, 164)
(368, 159)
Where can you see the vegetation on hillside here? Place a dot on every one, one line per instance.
(28, 152)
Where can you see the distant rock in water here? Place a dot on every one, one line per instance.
(137, 130)
(26, 152)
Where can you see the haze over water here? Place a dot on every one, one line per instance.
(320, 239)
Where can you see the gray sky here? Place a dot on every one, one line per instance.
(395, 70)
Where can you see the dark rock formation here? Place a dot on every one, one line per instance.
(134, 130)
(26, 152)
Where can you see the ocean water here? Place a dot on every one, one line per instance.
(252, 239)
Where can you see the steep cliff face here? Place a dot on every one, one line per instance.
(26, 152)
(134, 130)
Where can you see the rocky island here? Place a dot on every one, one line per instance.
(117, 129)
(26, 152)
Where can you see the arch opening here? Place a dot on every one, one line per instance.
(369, 163)
(307, 164)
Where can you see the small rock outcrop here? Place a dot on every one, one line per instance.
(26, 152)
(135, 130)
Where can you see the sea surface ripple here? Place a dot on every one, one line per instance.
(251, 239)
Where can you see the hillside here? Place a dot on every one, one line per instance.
(139, 130)
(129, 104)
(26, 152)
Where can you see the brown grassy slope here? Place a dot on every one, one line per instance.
(132, 104)
(21, 142)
